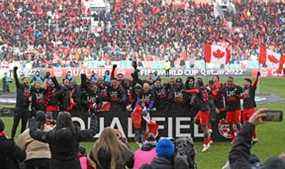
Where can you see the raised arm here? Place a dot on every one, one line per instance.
(240, 153)
(113, 72)
(17, 82)
(83, 81)
(54, 80)
(192, 91)
(89, 133)
(256, 80)
(36, 133)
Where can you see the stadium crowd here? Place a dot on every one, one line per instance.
(52, 140)
(61, 30)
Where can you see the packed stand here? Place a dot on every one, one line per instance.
(44, 30)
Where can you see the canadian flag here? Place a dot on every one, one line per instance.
(217, 53)
(269, 57)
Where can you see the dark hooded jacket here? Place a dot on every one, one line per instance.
(64, 143)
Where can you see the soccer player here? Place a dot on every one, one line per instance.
(203, 116)
(22, 103)
(249, 104)
(232, 96)
(216, 94)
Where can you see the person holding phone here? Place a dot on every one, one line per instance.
(240, 155)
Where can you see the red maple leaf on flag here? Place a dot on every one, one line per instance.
(219, 54)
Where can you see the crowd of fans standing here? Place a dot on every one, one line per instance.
(144, 30)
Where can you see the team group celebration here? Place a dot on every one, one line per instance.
(142, 84)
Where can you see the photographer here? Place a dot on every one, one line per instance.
(240, 156)
(63, 140)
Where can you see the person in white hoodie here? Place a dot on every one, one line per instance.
(37, 153)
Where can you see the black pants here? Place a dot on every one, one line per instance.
(20, 115)
(41, 163)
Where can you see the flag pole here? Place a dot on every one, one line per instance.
(259, 82)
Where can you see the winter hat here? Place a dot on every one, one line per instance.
(2, 125)
(165, 148)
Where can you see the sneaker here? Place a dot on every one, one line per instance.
(255, 140)
(205, 147)
(210, 131)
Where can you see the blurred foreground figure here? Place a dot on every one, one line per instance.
(109, 152)
(63, 140)
(240, 156)
(10, 153)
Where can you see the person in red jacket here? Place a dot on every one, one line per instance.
(249, 103)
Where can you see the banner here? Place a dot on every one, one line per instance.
(175, 120)
(198, 68)
(196, 72)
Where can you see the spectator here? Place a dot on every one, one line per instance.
(63, 140)
(146, 153)
(240, 156)
(109, 152)
(6, 82)
(38, 153)
(11, 154)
